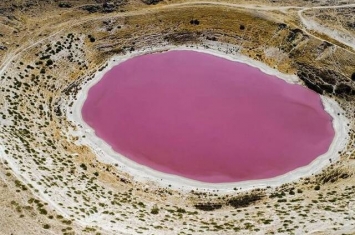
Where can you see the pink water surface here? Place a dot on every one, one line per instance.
(207, 118)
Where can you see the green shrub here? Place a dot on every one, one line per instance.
(49, 62)
(155, 210)
(46, 226)
(82, 165)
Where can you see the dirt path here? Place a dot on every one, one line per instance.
(306, 25)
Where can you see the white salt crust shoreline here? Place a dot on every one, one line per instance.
(144, 174)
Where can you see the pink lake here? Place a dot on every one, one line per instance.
(206, 118)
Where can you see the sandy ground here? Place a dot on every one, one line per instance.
(335, 217)
(142, 173)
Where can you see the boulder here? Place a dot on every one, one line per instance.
(151, 2)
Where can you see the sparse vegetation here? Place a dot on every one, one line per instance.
(38, 93)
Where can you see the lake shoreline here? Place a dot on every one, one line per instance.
(145, 174)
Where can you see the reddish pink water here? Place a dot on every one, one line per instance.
(206, 118)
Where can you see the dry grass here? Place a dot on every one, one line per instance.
(88, 189)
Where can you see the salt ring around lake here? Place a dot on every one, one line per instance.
(198, 119)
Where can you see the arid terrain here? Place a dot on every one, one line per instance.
(51, 182)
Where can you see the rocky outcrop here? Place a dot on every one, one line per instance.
(294, 34)
(344, 89)
(294, 37)
(245, 200)
(92, 8)
(64, 5)
(208, 206)
(325, 81)
(106, 7)
(181, 37)
(151, 2)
